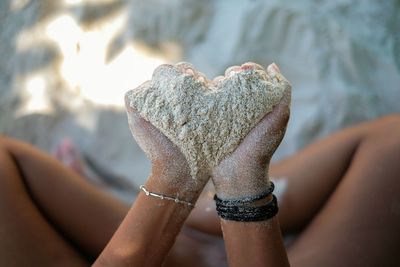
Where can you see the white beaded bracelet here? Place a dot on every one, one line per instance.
(175, 199)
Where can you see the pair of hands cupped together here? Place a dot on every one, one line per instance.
(241, 174)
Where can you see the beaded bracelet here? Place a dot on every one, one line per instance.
(239, 201)
(249, 213)
(175, 199)
(242, 210)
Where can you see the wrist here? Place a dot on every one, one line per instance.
(171, 186)
(242, 183)
(149, 228)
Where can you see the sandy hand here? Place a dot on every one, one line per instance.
(244, 173)
(170, 172)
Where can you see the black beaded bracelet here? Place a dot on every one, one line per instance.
(239, 201)
(249, 213)
(242, 210)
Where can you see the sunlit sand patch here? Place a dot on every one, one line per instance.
(34, 97)
(16, 5)
(79, 2)
(84, 67)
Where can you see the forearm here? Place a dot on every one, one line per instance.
(250, 228)
(147, 233)
(254, 243)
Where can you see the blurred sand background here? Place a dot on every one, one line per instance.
(65, 65)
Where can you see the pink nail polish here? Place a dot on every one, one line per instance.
(274, 68)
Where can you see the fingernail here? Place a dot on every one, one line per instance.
(232, 70)
(251, 65)
(273, 68)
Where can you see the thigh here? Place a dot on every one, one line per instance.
(358, 225)
(87, 216)
(26, 237)
(312, 174)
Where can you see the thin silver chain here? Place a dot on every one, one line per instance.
(175, 199)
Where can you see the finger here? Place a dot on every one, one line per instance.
(266, 136)
(279, 116)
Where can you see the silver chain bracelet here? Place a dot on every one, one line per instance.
(175, 199)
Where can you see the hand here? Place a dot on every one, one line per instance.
(244, 173)
(170, 173)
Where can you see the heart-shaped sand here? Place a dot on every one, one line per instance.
(206, 119)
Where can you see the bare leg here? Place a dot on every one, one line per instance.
(358, 224)
(51, 215)
(42, 202)
(313, 173)
(26, 237)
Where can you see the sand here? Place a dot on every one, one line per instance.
(207, 119)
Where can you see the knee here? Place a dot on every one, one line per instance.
(388, 125)
(392, 120)
(3, 142)
(4, 150)
(5, 165)
(3, 139)
(7, 143)
(385, 132)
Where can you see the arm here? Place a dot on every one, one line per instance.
(254, 243)
(245, 174)
(148, 231)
